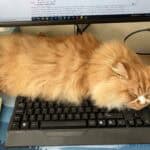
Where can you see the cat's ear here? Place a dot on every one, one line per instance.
(121, 70)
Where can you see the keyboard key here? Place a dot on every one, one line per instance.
(39, 117)
(21, 105)
(47, 117)
(80, 109)
(92, 116)
(59, 110)
(138, 122)
(146, 122)
(17, 118)
(103, 110)
(29, 105)
(100, 116)
(129, 115)
(34, 125)
(111, 123)
(85, 116)
(25, 117)
(32, 117)
(54, 117)
(29, 111)
(36, 105)
(43, 104)
(19, 111)
(51, 110)
(113, 115)
(121, 123)
(88, 109)
(66, 110)
(95, 110)
(131, 123)
(91, 123)
(138, 114)
(77, 117)
(20, 99)
(15, 126)
(62, 117)
(62, 124)
(85, 103)
(69, 117)
(101, 123)
(37, 111)
(24, 125)
(146, 117)
(73, 110)
(44, 111)
(50, 104)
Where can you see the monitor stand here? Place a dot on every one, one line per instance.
(80, 28)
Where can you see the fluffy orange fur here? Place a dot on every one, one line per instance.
(72, 68)
(117, 77)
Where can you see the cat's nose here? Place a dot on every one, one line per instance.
(142, 100)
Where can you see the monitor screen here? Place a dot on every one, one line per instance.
(72, 11)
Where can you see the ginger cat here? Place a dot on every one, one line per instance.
(72, 68)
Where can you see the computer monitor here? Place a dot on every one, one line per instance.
(35, 12)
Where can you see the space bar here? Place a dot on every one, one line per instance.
(62, 124)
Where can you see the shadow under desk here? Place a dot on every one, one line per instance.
(146, 59)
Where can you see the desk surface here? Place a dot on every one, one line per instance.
(5, 117)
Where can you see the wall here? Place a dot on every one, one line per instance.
(139, 42)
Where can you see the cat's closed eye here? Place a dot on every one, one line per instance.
(147, 96)
(133, 95)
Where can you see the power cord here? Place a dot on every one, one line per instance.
(80, 28)
(135, 32)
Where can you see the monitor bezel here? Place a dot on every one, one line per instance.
(92, 20)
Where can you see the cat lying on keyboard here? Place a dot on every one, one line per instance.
(72, 68)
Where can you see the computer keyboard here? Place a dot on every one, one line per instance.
(40, 114)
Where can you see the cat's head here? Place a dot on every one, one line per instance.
(118, 77)
(136, 81)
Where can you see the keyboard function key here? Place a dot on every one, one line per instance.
(47, 117)
(92, 123)
(131, 123)
(77, 116)
(85, 116)
(19, 111)
(138, 122)
(92, 116)
(111, 123)
(70, 117)
(55, 117)
(39, 117)
(62, 117)
(24, 125)
(101, 123)
(17, 118)
(121, 123)
(34, 125)
(15, 126)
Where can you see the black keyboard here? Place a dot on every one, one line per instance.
(40, 114)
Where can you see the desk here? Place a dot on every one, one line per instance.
(5, 117)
